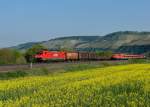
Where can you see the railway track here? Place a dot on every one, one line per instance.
(51, 65)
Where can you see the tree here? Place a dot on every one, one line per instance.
(29, 55)
(10, 56)
(66, 49)
(104, 53)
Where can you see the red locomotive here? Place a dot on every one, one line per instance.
(127, 56)
(56, 55)
(51, 55)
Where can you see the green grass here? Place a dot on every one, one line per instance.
(114, 86)
(14, 74)
(71, 68)
(23, 73)
(45, 70)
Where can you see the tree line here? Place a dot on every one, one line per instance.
(11, 56)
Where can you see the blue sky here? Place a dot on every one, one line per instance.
(37, 20)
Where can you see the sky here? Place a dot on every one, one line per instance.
(24, 21)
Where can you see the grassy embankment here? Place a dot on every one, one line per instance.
(66, 68)
(122, 85)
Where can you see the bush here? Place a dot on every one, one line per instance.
(14, 74)
(9, 56)
(21, 60)
(132, 61)
(104, 64)
(24, 73)
(44, 70)
(80, 67)
(38, 72)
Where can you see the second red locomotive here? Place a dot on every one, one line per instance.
(127, 56)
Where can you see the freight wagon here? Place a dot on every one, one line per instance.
(83, 55)
(92, 56)
(72, 56)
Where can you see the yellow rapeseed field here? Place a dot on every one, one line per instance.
(116, 86)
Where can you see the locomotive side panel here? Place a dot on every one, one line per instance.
(50, 55)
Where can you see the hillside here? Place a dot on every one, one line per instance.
(115, 40)
(127, 41)
(118, 86)
(68, 42)
(25, 46)
(58, 43)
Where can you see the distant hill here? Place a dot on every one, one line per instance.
(127, 41)
(69, 42)
(58, 43)
(25, 46)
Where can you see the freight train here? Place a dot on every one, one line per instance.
(74, 56)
